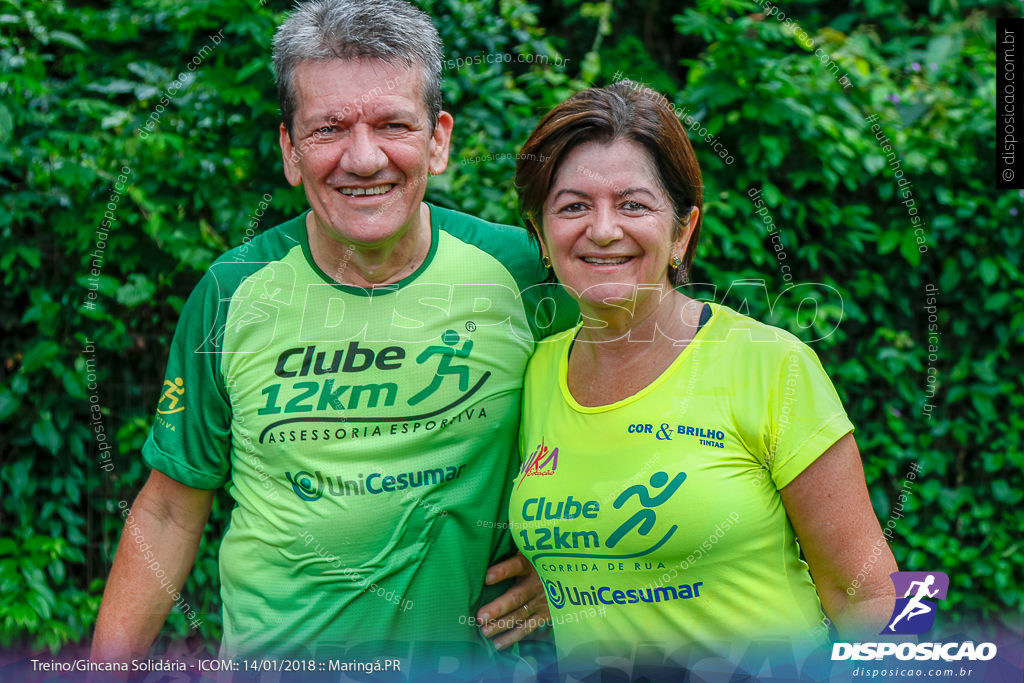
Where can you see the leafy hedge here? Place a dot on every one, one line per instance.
(87, 97)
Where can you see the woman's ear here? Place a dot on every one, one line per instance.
(687, 224)
(531, 225)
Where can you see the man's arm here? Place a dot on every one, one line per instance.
(161, 535)
(520, 610)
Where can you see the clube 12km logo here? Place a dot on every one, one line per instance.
(579, 549)
(315, 403)
(914, 614)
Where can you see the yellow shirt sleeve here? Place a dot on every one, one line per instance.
(804, 417)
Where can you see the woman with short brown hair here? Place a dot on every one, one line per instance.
(681, 461)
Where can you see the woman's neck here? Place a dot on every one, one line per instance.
(621, 332)
(613, 361)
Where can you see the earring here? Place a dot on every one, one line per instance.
(676, 262)
(546, 261)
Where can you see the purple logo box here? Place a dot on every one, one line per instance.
(902, 581)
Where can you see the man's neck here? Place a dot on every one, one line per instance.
(371, 266)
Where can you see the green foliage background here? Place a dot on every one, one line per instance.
(78, 83)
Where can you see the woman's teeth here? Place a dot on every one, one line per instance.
(606, 261)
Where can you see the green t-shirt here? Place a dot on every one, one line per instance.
(366, 436)
(656, 521)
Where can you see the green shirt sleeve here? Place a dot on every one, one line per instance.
(190, 440)
(546, 304)
(549, 309)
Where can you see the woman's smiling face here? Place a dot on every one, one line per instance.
(609, 227)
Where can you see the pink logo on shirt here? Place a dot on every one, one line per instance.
(536, 465)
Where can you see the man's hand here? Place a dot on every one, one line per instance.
(521, 610)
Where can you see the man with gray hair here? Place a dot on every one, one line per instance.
(353, 377)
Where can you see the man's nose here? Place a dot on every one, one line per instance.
(363, 155)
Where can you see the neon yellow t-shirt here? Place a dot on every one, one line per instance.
(657, 520)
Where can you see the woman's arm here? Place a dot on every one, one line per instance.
(831, 513)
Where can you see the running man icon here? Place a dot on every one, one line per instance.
(913, 613)
(171, 397)
(915, 607)
(445, 367)
(644, 520)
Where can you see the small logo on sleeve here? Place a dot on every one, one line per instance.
(172, 400)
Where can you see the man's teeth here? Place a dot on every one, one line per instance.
(606, 261)
(360, 191)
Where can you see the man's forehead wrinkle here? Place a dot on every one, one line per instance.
(361, 98)
(359, 111)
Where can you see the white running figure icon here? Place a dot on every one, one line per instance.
(915, 607)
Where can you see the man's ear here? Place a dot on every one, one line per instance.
(440, 142)
(290, 156)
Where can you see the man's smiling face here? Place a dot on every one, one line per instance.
(362, 148)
